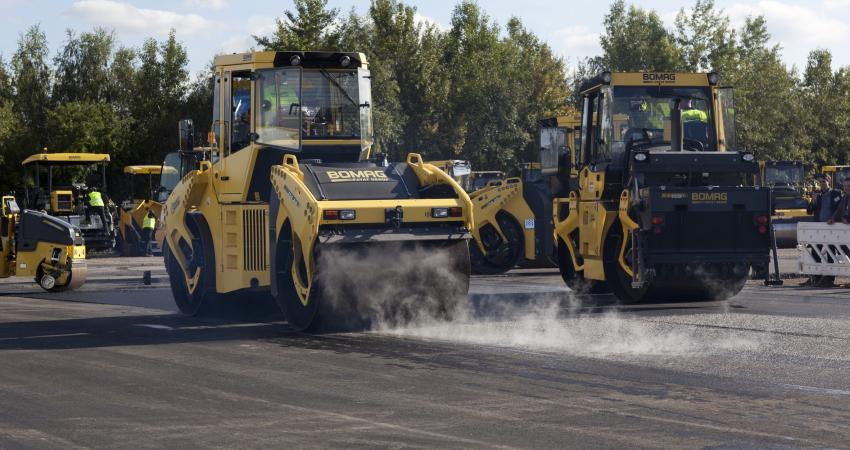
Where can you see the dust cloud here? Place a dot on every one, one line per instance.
(418, 292)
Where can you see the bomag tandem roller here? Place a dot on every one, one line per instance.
(295, 207)
(34, 244)
(664, 206)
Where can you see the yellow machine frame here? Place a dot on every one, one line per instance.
(217, 199)
(65, 262)
(139, 206)
(587, 213)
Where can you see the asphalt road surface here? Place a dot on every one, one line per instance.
(112, 365)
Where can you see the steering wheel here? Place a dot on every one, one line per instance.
(693, 143)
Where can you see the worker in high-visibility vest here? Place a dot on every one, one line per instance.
(690, 115)
(148, 227)
(96, 205)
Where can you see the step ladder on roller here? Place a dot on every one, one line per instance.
(824, 249)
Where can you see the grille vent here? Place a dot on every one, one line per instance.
(254, 235)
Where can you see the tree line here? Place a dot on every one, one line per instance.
(474, 90)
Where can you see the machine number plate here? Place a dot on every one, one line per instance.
(529, 224)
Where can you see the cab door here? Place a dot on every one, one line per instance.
(236, 134)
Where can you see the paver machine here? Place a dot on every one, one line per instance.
(660, 202)
(297, 207)
(69, 178)
(143, 181)
(35, 244)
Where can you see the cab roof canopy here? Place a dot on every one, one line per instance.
(561, 121)
(690, 79)
(66, 159)
(308, 60)
(143, 170)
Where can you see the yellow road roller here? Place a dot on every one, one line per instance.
(661, 204)
(295, 205)
(35, 244)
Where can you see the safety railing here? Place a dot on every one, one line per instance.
(824, 248)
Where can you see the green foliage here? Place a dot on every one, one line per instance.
(779, 114)
(636, 40)
(97, 97)
(310, 26)
(82, 68)
(31, 77)
(474, 91)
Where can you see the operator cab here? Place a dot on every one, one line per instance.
(316, 105)
(313, 103)
(631, 118)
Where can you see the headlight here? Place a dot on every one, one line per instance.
(439, 213)
(748, 157)
(339, 214)
(295, 60)
(641, 157)
(713, 78)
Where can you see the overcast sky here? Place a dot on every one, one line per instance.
(572, 28)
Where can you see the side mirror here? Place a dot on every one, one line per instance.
(186, 131)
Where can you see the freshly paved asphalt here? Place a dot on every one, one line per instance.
(112, 365)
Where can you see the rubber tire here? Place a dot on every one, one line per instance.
(197, 303)
(484, 265)
(575, 280)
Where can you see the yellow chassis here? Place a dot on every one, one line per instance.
(503, 195)
(239, 231)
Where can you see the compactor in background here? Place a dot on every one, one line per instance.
(62, 184)
(663, 205)
(513, 216)
(144, 197)
(837, 173)
(787, 182)
(297, 207)
(35, 244)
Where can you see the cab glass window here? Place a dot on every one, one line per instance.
(641, 118)
(279, 118)
(329, 104)
(240, 107)
(553, 144)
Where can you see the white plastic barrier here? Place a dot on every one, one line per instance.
(824, 249)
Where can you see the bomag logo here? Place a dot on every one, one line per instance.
(709, 197)
(337, 176)
(659, 78)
